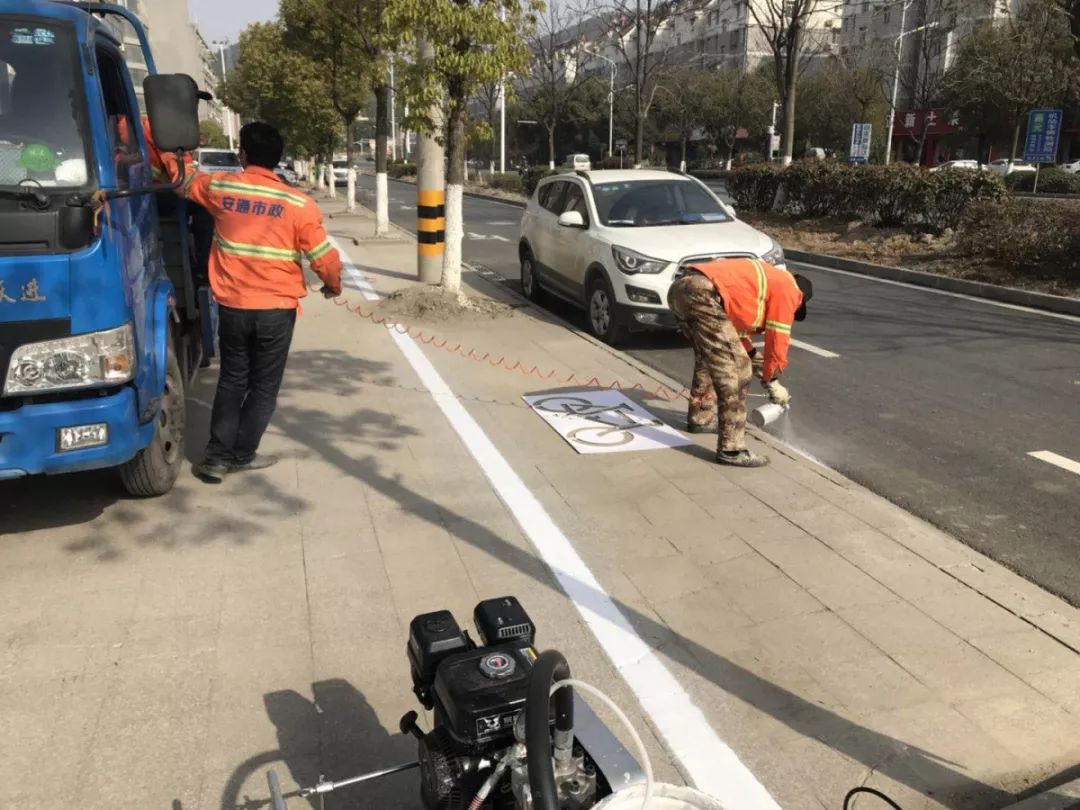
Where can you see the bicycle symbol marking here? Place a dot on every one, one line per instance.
(619, 430)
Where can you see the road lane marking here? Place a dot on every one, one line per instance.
(1056, 460)
(706, 760)
(810, 347)
(501, 224)
(485, 236)
(1003, 305)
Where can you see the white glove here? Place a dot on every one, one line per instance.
(778, 395)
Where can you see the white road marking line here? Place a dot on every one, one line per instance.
(706, 759)
(810, 347)
(1056, 460)
(404, 207)
(481, 237)
(1003, 305)
(500, 223)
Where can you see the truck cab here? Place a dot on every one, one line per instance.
(102, 321)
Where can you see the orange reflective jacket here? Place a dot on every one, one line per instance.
(757, 298)
(262, 230)
(162, 165)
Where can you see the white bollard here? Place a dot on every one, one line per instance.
(350, 189)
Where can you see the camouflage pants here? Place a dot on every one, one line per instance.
(721, 365)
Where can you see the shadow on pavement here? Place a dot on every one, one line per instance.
(337, 735)
(921, 770)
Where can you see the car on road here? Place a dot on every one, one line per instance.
(958, 164)
(218, 160)
(1071, 168)
(612, 241)
(341, 172)
(286, 174)
(578, 162)
(1002, 167)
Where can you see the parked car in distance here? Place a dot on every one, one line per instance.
(1004, 166)
(578, 162)
(1072, 167)
(341, 172)
(612, 241)
(218, 160)
(958, 164)
(286, 174)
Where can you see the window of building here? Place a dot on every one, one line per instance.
(862, 37)
(866, 6)
(887, 16)
(133, 54)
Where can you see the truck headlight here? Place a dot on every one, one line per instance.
(775, 254)
(81, 361)
(631, 262)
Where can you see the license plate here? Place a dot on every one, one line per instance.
(81, 436)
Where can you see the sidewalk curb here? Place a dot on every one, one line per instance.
(977, 289)
(1062, 797)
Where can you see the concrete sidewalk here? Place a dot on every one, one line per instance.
(165, 653)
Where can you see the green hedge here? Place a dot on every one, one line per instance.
(1001, 230)
(895, 196)
(507, 181)
(1052, 181)
(401, 170)
(534, 176)
(709, 174)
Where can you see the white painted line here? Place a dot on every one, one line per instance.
(706, 759)
(483, 237)
(1056, 460)
(1017, 307)
(810, 347)
(501, 223)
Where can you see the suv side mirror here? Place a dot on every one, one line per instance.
(172, 105)
(571, 219)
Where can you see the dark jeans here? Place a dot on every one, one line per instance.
(254, 346)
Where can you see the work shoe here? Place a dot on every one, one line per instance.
(258, 462)
(708, 427)
(211, 471)
(741, 458)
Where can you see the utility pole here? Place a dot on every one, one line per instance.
(430, 192)
(899, 47)
(502, 126)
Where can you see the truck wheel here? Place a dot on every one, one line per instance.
(155, 469)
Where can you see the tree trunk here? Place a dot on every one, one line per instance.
(455, 179)
(382, 134)
(1015, 142)
(639, 138)
(730, 157)
(682, 158)
(551, 146)
(350, 148)
(789, 123)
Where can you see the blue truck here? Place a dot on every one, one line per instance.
(103, 319)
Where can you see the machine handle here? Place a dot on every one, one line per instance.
(276, 797)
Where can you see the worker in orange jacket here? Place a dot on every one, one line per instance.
(719, 305)
(263, 230)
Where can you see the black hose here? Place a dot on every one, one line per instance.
(851, 794)
(550, 667)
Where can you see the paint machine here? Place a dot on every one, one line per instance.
(508, 728)
(766, 414)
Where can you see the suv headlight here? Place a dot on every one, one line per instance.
(775, 254)
(630, 262)
(82, 361)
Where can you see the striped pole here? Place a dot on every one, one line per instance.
(430, 194)
(430, 233)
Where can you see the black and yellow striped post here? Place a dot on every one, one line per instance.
(430, 233)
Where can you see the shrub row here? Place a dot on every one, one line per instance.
(1052, 181)
(1002, 231)
(897, 195)
(506, 181)
(396, 170)
(534, 176)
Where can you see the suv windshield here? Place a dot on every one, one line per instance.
(226, 160)
(644, 203)
(42, 109)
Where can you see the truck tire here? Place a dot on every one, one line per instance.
(155, 469)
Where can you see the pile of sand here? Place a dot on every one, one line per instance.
(434, 304)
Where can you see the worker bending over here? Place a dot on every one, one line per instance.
(719, 305)
(263, 230)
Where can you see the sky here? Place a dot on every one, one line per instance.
(227, 18)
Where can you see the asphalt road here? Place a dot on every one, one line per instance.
(934, 401)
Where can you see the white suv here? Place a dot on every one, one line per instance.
(612, 242)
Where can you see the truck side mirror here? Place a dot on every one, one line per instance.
(172, 105)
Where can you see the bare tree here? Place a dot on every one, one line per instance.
(786, 26)
(634, 25)
(1072, 9)
(555, 69)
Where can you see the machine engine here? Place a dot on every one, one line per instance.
(477, 693)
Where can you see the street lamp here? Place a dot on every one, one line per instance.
(896, 75)
(611, 100)
(221, 43)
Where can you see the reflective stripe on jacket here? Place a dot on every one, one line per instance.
(757, 298)
(263, 229)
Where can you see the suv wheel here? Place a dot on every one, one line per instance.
(602, 312)
(530, 285)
